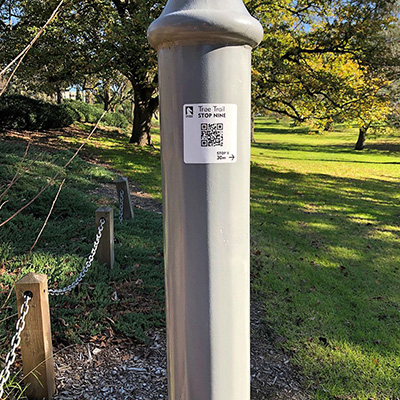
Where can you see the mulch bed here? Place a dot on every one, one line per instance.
(129, 371)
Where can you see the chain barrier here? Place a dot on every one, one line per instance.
(15, 341)
(121, 206)
(89, 261)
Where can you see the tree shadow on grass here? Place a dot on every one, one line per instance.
(128, 299)
(271, 127)
(371, 150)
(386, 147)
(325, 261)
(141, 165)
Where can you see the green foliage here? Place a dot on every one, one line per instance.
(20, 112)
(126, 109)
(115, 119)
(91, 113)
(85, 112)
(13, 388)
(325, 61)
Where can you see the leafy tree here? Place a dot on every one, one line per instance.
(325, 60)
(131, 54)
(51, 64)
(9, 12)
(95, 40)
(320, 61)
(113, 88)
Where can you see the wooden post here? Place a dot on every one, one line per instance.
(123, 184)
(36, 345)
(105, 251)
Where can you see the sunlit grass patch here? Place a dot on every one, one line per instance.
(327, 220)
(141, 165)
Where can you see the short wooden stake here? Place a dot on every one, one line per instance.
(36, 345)
(123, 184)
(105, 251)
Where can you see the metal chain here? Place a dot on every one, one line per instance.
(15, 341)
(121, 206)
(89, 261)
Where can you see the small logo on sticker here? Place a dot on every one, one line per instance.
(189, 112)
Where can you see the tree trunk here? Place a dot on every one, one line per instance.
(253, 139)
(328, 126)
(59, 95)
(106, 98)
(145, 106)
(361, 137)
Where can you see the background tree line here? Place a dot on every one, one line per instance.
(321, 61)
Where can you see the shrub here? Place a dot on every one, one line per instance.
(86, 112)
(21, 112)
(115, 119)
(126, 110)
(92, 112)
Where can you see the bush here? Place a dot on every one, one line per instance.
(92, 112)
(21, 112)
(85, 112)
(115, 119)
(126, 110)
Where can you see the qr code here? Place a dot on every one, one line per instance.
(212, 135)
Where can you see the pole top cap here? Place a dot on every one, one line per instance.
(191, 22)
(32, 278)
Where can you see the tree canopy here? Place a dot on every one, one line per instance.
(92, 40)
(321, 61)
(325, 61)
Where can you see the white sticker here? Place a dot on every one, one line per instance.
(209, 133)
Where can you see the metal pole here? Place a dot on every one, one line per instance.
(204, 50)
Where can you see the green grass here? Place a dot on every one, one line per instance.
(330, 153)
(326, 256)
(128, 300)
(325, 249)
(140, 165)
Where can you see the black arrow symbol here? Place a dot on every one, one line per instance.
(232, 157)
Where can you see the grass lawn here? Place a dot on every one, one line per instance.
(139, 164)
(326, 256)
(325, 249)
(127, 300)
